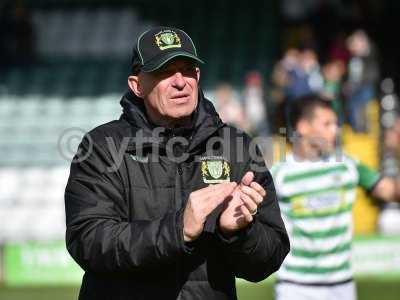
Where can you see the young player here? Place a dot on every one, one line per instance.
(316, 186)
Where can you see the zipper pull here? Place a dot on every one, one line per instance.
(180, 171)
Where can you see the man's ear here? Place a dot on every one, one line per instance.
(198, 74)
(303, 127)
(134, 85)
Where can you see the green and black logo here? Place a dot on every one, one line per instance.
(215, 169)
(168, 39)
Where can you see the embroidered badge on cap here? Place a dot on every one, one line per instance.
(168, 39)
(215, 169)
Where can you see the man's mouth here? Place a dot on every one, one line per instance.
(181, 98)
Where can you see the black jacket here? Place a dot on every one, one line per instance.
(124, 213)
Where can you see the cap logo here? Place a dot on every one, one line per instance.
(168, 39)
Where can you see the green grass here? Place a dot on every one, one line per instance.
(368, 289)
(39, 293)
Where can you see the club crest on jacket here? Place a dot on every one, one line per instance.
(215, 169)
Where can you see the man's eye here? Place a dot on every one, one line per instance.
(184, 71)
(163, 73)
(188, 70)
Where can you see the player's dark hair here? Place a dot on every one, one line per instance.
(304, 107)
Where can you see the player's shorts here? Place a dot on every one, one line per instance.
(292, 291)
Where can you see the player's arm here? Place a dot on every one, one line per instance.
(387, 189)
(381, 187)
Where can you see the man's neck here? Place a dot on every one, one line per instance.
(169, 122)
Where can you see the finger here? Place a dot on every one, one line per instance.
(246, 214)
(214, 188)
(200, 199)
(214, 199)
(247, 178)
(250, 204)
(228, 189)
(258, 188)
(253, 194)
(225, 189)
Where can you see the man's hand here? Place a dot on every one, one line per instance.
(239, 210)
(200, 204)
(387, 189)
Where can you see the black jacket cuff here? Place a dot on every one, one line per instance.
(243, 240)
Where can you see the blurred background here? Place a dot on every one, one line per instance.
(64, 66)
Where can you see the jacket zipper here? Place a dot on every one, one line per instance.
(179, 203)
(180, 170)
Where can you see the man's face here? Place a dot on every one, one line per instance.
(171, 93)
(321, 129)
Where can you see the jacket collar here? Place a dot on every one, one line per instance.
(205, 122)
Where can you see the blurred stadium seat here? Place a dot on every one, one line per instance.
(33, 171)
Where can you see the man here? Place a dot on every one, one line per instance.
(316, 188)
(156, 207)
(363, 76)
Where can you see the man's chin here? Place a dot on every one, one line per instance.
(182, 111)
(326, 151)
(180, 118)
(181, 115)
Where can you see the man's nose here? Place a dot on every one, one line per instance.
(179, 82)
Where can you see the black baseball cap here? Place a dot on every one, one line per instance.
(157, 46)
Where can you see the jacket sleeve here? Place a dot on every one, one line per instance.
(99, 236)
(257, 251)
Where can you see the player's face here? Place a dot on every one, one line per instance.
(323, 129)
(171, 93)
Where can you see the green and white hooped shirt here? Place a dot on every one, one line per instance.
(316, 199)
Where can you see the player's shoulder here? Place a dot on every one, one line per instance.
(348, 159)
(280, 167)
(275, 168)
